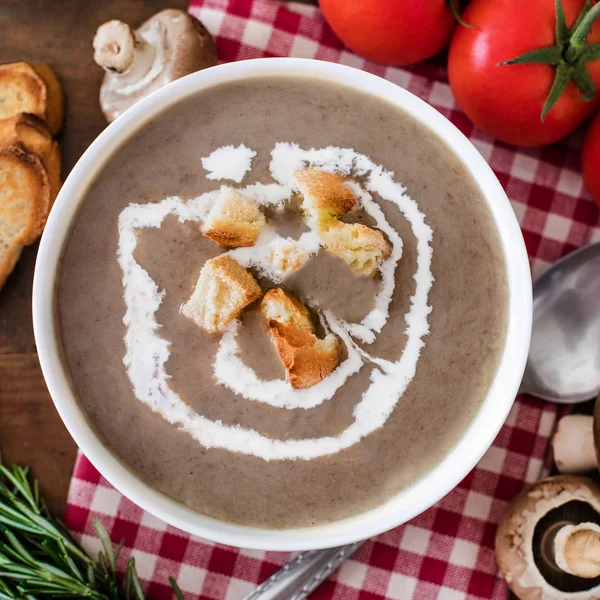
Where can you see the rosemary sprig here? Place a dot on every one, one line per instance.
(39, 558)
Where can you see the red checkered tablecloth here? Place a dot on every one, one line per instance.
(448, 551)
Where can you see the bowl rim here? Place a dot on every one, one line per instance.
(419, 496)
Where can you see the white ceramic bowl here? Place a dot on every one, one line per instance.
(402, 507)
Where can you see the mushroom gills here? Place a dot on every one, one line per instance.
(570, 513)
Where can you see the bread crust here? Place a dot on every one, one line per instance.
(223, 290)
(31, 132)
(282, 307)
(55, 100)
(52, 162)
(29, 170)
(326, 196)
(25, 195)
(34, 89)
(231, 235)
(233, 271)
(233, 221)
(307, 360)
(21, 90)
(27, 129)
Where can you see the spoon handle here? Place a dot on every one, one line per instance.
(303, 574)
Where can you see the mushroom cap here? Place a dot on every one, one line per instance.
(114, 56)
(182, 46)
(515, 535)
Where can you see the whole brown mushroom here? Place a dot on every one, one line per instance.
(169, 45)
(548, 540)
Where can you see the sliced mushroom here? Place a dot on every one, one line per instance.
(548, 540)
(576, 443)
(169, 45)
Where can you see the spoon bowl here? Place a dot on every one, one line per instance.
(564, 356)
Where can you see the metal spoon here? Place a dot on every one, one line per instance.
(564, 357)
(563, 366)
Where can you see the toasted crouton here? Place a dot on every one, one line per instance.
(31, 89)
(326, 196)
(24, 196)
(233, 221)
(279, 306)
(287, 255)
(307, 359)
(223, 290)
(31, 132)
(363, 249)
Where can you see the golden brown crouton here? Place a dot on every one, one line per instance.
(306, 358)
(24, 196)
(326, 196)
(233, 221)
(282, 307)
(363, 249)
(31, 132)
(287, 255)
(31, 89)
(223, 290)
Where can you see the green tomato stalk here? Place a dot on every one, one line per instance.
(456, 12)
(569, 54)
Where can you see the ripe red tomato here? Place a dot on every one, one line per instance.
(393, 32)
(590, 160)
(507, 101)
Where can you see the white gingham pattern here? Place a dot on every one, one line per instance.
(446, 552)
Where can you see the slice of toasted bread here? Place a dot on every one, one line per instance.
(21, 90)
(307, 359)
(363, 249)
(24, 196)
(31, 132)
(27, 129)
(9, 255)
(31, 89)
(233, 221)
(326, 196)
(287, 255)
(55, 108)
(223, 290)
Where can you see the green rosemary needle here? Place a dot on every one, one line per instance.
(39, 558)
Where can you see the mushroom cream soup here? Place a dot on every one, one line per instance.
(282, 302)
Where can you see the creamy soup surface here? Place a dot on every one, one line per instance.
(455, 366)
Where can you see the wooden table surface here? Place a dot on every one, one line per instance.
(58, 32)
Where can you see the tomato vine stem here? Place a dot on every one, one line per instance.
(456, 12)
(569, 54)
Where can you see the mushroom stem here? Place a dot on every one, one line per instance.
(121, 51)
(577, 550)
(573, 444)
